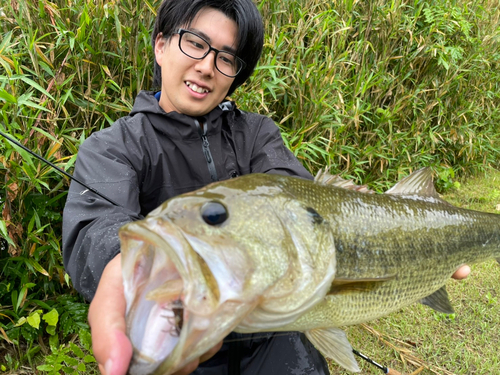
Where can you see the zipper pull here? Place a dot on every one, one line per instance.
(202, 131)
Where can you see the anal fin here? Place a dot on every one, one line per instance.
(439, 301)
(333, 343)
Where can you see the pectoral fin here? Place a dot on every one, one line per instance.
(344, 285)
(333, 343)
(439, 301)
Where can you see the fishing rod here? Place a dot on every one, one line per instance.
(386, 370)
(39, 157)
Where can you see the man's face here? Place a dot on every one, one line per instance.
(195, 87)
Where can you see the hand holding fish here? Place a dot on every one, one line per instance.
(111, 346)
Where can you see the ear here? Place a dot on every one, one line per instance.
(160, 45)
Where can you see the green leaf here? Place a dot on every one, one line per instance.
(54, 343)
(13, 297)
(34, 320)
(3, 231)
(21, 321)
(25, 155)
(85, 339)
(66, 279)
(38, 267)
(76, 350)
(89, 359)
(69, 370)
(118, 25)
(51, 330)
(81, 367)
(31, 104)
(69, 360)
(48, 135)
(51, 318)
(7, 97)
(47, 368)
(35, 85)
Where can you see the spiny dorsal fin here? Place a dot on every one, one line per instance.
(439, 301)
(333, 343)
(324, 177)
(418, 183)
(344, 285)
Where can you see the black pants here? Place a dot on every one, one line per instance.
(282, 353)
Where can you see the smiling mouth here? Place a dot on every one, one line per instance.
(196, 88)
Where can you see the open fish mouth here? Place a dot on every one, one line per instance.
(171, 296)
(154, 274)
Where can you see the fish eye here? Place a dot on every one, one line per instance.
(214, 213)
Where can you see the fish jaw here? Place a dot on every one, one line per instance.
(174, 311)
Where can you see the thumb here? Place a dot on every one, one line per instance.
(111, 346)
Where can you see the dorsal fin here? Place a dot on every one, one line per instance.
(418, 183)
(324, 177)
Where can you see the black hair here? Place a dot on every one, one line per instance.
(174, 14)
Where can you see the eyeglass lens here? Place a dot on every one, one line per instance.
(197, 48)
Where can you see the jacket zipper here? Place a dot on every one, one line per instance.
(202, 131)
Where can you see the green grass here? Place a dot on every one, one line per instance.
(463, 343)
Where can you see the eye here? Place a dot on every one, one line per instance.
(214, 213)
(197, 45)
(227, 59)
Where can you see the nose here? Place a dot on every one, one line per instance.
(206, 66)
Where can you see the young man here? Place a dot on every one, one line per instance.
(174, 141)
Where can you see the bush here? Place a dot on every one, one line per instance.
(374, 89)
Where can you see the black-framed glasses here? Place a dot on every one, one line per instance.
(196, 47)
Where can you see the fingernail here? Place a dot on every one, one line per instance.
(108, 366)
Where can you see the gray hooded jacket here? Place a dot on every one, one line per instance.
(150, 156)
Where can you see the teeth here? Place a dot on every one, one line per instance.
(195, 88)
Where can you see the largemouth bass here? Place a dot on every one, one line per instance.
(273, 253)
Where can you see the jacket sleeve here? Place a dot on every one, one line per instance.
(90, 223)
(270, 154)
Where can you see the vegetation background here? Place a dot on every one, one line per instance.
(374, 89)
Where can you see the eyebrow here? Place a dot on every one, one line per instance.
(205, 36)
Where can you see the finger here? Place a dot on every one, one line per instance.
(461, 273)
(112, 349)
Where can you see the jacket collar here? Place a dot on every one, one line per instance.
(173, 123)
